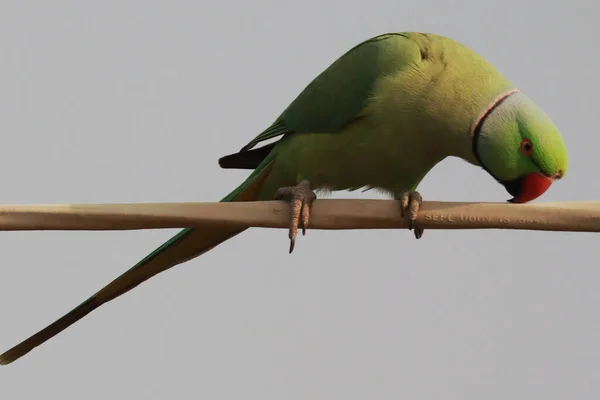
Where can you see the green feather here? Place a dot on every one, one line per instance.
(381, 116)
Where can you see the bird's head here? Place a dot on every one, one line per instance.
(518, 144)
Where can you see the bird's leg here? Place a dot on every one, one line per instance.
(301, 198)
(410, 202)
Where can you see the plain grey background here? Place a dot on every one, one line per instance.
(119, 101)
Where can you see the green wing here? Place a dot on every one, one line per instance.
(340, 93)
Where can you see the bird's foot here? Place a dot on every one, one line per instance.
(410, 202)
(301, 198)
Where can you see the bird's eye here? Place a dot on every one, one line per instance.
(526, 147)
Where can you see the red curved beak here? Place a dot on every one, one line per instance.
(531, 187)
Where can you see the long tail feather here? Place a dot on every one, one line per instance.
(187, 244)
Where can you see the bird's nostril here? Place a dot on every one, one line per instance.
(558, 174)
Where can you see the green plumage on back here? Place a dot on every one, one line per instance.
(381, 116)
(321, 109)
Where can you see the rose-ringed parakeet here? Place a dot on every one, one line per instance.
(381, 116)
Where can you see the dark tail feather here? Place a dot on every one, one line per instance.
(48, 332)
(187, 244)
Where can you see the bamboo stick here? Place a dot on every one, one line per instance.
(326, 214)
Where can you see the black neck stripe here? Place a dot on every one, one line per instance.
(476, 131)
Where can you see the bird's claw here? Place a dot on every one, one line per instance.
(301, 198)
(410, 202)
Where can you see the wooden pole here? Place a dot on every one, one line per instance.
(326, 214)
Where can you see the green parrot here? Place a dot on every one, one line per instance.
(381, 116)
